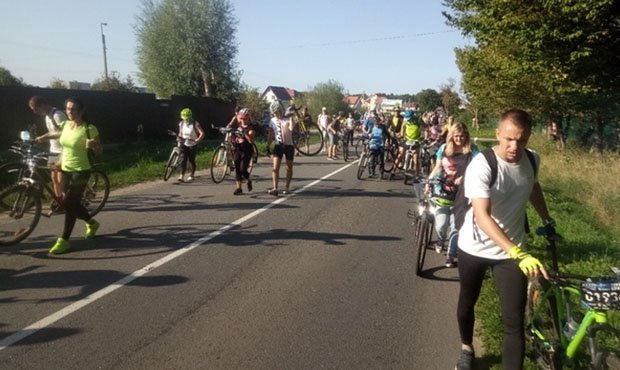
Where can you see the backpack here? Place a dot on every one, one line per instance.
(462, 204)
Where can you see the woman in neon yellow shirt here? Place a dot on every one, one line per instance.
(75, 141)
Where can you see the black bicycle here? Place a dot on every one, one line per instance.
(176, 157)
(20, 204)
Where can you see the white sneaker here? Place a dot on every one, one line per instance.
(191, 178)
(180, 179)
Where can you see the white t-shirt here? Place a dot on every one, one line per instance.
(509, 197)
(53, 123)
(187, 131)
(282, 130)
(323, 121)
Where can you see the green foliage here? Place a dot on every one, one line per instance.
(328, 94)
(449, 98)
(428, 100)
(188, 47)
(56, 83)
(7, 79)
(114, 83)
(554, 58)
(250, 97)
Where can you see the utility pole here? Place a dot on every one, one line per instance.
(105, 58)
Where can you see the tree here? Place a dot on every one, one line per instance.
(555, 58)
(428, 100)
(113, 83)
(7, 79)
(188, 47)
(56, 83)
(250, 97)
(450, 98)
(328, 94)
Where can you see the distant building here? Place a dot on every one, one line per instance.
(282, 94)
(76, 85)
(388, 105)
(354, 102)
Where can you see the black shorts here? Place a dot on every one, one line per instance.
(284, 150)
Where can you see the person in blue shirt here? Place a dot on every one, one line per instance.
(377, 136)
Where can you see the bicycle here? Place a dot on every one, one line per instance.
(20, 204)
(425, 158)
(307, 137)
(424, 220)
(556, 328)
(343, 144)
(176, 157)
(222, 161)
(408, 169)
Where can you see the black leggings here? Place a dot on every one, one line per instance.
(512, 288)
(190, 155)
(242, 156)
(73, 184)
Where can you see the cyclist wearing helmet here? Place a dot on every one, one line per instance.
(192, 133)
(410, 130)
(452, 159)
(280, 130)
(242, 138)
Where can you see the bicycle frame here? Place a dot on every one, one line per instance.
(561, 292)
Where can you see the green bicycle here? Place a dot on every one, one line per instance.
(556, 325)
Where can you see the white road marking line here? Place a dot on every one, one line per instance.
(66, 311)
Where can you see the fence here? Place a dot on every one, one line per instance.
(115, 114)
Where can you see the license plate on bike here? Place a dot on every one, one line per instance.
(601, 293)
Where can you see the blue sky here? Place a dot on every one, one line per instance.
(391, 46)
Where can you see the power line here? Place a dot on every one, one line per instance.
(362, 41)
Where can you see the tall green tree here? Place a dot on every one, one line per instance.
(250, 97)
(553, 57)
(114, 82)
(428, 100)
(7, 79)
(450, 98)
(328, 94)
(188, 47)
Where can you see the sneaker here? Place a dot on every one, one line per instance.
(465, 360)
(392, 176)
(273, 192)
(238, 191)
(91, 229)
(61, 246)
(330, 158)
(180, 179)
(190, 178)
(450, 263)
(250, 185)
(284, 192)
(438, 247)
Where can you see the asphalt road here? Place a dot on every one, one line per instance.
(187, 276)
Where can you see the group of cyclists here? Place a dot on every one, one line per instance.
(493, 246)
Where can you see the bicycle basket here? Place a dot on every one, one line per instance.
(602, 293)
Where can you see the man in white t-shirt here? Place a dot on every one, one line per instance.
(493, 233)
(53, 121)
(281, 131)
(323, 120)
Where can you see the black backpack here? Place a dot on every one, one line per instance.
(462, 204)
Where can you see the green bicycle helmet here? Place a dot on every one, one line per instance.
(186, 113)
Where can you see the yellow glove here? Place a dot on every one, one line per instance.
(528, 264)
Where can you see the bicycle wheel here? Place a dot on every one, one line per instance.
(358, 146)
(421, 242)
(20, 210)
(308, 140)
(388, 161)
(96, 193)
(362, 165)
(10, 174)
(542, 327)
(171, 165)
(219, 165)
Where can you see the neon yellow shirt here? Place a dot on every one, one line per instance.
(412, 130)
(73, 141)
